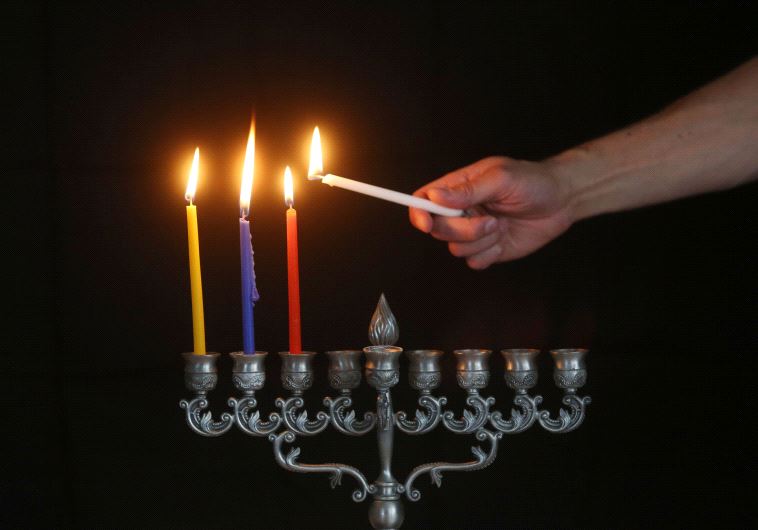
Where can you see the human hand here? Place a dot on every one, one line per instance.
(517, 207)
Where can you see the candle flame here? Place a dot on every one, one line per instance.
(192, 182)
(289, 194)
(316, 166)
(248, 170)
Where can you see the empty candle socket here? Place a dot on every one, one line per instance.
(520, 368)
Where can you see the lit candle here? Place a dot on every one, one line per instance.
(198, 321)
(316, 170)
(249, 291)
(293, 272)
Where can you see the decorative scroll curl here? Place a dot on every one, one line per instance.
(567, 420)
(299, 423)
(249, 420)
(203, 423)
(435, 469)
(469, 422)
(345, 421)
(520, 420)
(424, 421)
(290, 463)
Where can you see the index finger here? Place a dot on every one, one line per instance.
(459, 175)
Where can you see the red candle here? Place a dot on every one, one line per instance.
(293, 269)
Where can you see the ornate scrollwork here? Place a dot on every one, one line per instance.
(384, 410)
(290, 463)
(299, 423)
(344, 379)
(297, 381)
(204, 424)
(570, 378)
(469, 422)
(249, 420)
(246, 381)
(470, 380)
(423, 422)
(200, 381)
(424, 380)
(435, 469)
(520, 420)
(567, 420)
(345, 421)
(523, 380)
(383, 379)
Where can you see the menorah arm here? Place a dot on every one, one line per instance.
(569, 420)
(469, 423)
(290, 463)
(203, 423)
(299, 423)
(424, 421)
(481, 460)
(521, 418)
(345, 421)
(249, 420)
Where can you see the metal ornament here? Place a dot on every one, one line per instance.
(382, 372)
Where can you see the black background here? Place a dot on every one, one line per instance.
(105, 104)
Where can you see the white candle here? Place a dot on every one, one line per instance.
(387, 195)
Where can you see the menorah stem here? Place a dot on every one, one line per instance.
(386, 512)
(382, 373)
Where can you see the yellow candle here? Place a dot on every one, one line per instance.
(198, 320)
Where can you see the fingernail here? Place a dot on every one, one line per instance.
(491, 225)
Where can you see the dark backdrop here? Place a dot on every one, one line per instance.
(105, 104)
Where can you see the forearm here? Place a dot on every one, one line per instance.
(706, 141)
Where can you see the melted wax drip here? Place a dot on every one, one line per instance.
(383, 330)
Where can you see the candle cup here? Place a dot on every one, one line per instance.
(472, 368)
(200, 373)
(297, 371)
(345, 370)
(249, 371)
(570, 371)
(424, 372)
(382, 366)
(520, 369)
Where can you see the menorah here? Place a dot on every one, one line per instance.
(382, 373)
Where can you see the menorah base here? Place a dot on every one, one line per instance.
(386, 514)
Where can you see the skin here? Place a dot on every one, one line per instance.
(706, 141)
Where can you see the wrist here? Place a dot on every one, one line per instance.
(571, 170)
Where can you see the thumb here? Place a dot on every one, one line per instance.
(477, 189)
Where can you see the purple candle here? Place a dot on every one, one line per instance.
(249, 290)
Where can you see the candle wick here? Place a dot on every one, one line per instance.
(315, 177)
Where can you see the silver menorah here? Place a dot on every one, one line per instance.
(382, 373)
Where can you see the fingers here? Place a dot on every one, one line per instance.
(470, 248)
(484, 259)
(421, 219)
(463, 177)
(463, 228)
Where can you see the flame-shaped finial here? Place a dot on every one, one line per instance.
(383, 329)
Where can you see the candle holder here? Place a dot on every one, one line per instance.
(382, 372)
